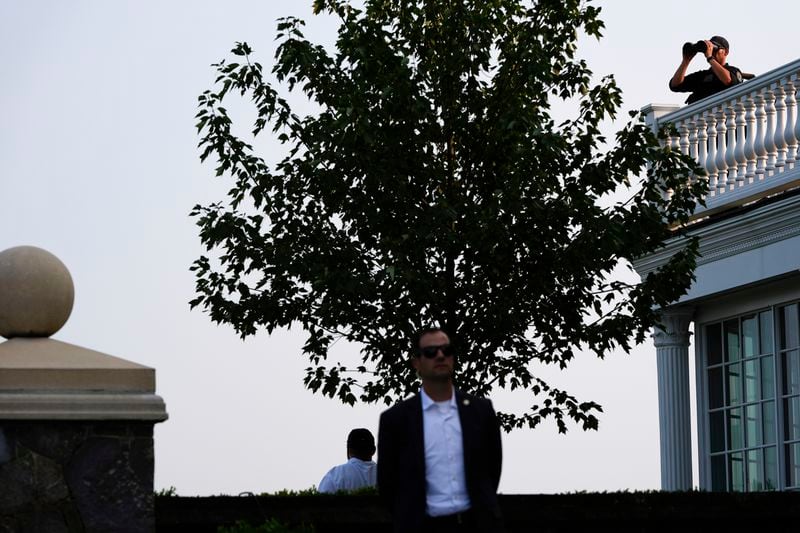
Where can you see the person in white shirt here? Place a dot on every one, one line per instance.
(359, 471)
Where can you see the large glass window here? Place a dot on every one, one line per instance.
(789, 357)
(752, 372)
(740, 379)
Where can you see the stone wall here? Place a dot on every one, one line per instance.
(58, 476)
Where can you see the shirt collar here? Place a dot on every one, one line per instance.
(427, 402)
(356, 460)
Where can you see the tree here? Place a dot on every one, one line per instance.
(432, 186)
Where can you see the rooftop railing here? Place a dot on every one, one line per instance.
(745, 137)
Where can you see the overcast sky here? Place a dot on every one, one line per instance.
(99, 165)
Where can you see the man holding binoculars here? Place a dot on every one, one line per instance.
(718, 77)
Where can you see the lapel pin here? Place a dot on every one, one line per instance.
(465, 402)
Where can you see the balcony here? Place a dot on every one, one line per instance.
(745, 137)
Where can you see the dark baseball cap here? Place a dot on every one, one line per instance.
(722, 42)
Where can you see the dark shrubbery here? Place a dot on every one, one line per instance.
(270, 526)
(620, 512)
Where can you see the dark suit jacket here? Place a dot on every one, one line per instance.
(401, 462)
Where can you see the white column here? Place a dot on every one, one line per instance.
(672, 354)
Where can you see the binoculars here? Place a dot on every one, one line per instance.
(698, 47)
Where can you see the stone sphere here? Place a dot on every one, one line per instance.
(36, 293)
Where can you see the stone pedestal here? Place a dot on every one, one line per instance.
(672, 354)
(76, 425)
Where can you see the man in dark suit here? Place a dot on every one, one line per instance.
(439, 452)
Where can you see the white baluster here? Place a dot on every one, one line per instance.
(722, 148)
(796, 80)
(738, 151)
(669, 144)
(702, 147)
(769, 133)
(683, 137)
(750, 133)
(711, 160)
(730, 160)
(791, 121)
(780, 126)
(664, 143)
(761, 126)
(692, 125)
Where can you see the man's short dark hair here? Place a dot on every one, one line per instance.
(421, 333)
(361, 442)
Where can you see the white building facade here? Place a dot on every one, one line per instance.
(744, 305)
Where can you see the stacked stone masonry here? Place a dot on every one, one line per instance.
(64, 476)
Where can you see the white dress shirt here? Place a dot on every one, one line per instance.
(352, 475)
(446, 486)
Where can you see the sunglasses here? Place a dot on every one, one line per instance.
(432, 351)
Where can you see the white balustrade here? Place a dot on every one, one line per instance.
(747, 138)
